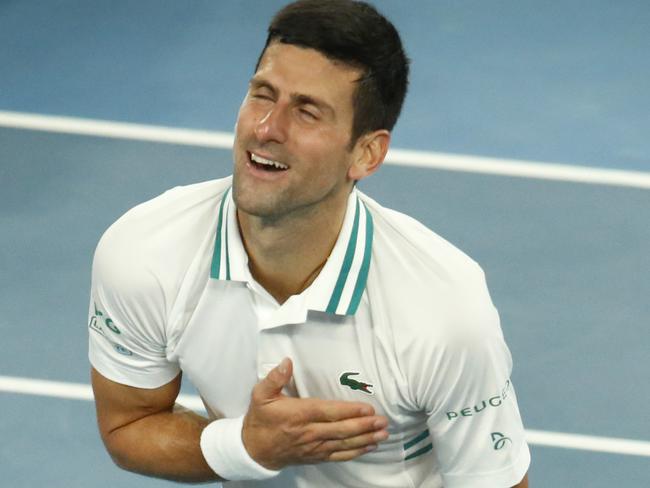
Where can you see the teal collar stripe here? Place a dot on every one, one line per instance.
(227, 254)
(362, 277)
(347, 263)
(215, 270)
(352, 278)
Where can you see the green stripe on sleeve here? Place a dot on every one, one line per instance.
(419, 452)
(416, 439)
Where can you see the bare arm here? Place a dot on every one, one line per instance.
(523, 483)
(145, 432)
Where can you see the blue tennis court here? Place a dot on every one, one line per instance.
(494, 86)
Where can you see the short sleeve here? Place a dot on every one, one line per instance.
(477, 431)
(464, 386)
(127, 313)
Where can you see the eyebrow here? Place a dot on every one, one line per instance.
(299, 98)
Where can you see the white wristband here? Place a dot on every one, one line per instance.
(224, 451)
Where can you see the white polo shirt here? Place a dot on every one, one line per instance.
(397, 317)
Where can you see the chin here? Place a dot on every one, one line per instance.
(249, 201)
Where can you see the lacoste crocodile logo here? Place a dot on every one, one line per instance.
(354, 384)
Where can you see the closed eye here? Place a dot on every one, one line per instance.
(261, 96)
(308, 114)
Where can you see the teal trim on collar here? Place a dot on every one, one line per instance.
(215, 269)
(227, 254)
(353, 249)
(346, 292)
(362, 278)
(347, 263)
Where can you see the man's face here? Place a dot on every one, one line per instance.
(298, 113)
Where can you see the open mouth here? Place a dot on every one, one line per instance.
(266, 164)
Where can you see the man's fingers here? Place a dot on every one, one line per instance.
(363, 441)
(349, 455)
(333, 411)
(271, 386)
(348, 428)
(282, 430)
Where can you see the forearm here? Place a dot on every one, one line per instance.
(523, 483)
(163, 445)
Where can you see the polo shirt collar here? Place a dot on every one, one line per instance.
(339, 286)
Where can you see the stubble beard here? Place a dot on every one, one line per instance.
(249, 198)
(278, 204)
(251, 201)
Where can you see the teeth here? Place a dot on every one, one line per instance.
(268, 162)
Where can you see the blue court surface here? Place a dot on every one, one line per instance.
(531, 126)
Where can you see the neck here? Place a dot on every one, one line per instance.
(286, 255)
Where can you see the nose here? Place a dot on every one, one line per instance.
(273, 126)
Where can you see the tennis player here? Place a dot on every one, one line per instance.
(334, 342)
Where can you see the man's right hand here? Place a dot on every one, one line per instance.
(280, 430)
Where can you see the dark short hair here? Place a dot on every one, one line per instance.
(356, 34)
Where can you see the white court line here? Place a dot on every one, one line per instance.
(80, 391)
(116, 130)
(71, 391)
(400, 157)
(588, 443)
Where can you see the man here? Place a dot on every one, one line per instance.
(333, 341)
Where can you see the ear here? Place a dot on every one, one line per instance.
(368, 154)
